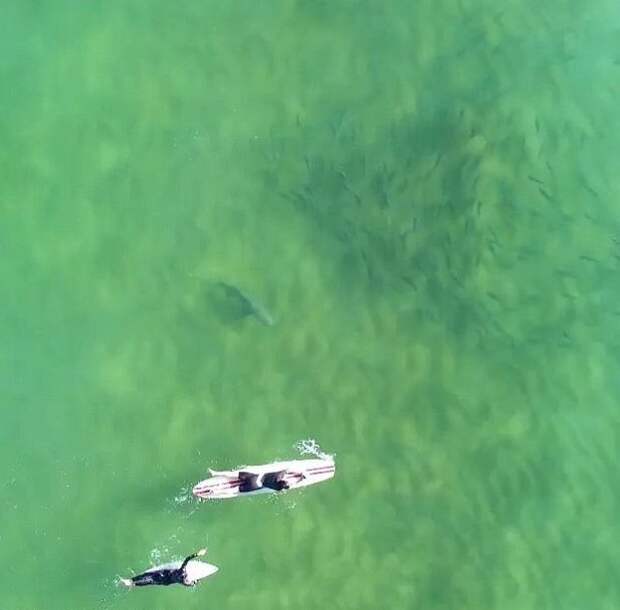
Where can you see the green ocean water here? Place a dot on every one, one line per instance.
(420, 199)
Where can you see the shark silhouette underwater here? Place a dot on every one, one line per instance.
(231, 303)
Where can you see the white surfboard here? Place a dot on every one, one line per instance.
(297, 473)
(195, 570)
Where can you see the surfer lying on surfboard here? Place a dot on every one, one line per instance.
(276, 477)
(165, 575)
(250, 481)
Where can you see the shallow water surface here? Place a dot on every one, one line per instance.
(391, 227)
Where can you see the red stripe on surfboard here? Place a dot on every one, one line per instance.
(318, 471)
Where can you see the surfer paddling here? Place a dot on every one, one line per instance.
(165, 575)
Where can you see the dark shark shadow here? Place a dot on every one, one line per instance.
(231, 304)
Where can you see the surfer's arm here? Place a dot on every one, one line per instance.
(199, 553)
(186, 561)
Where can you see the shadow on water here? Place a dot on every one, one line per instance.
(205, 313)
(230, 304)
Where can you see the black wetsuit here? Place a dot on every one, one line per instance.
(165, 576)
(248, 481)
(272, 480)
(275, 481)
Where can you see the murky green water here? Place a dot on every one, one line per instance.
(421, 199)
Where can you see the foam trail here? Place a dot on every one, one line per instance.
(156, 554)
(184, 496)
(110, 593)
(183, 503)
(284, 502)
(311, 447)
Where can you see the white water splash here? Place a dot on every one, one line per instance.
(311, 447)
(284, 502)
(183, 504)
(183, 496)
(156, 554)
